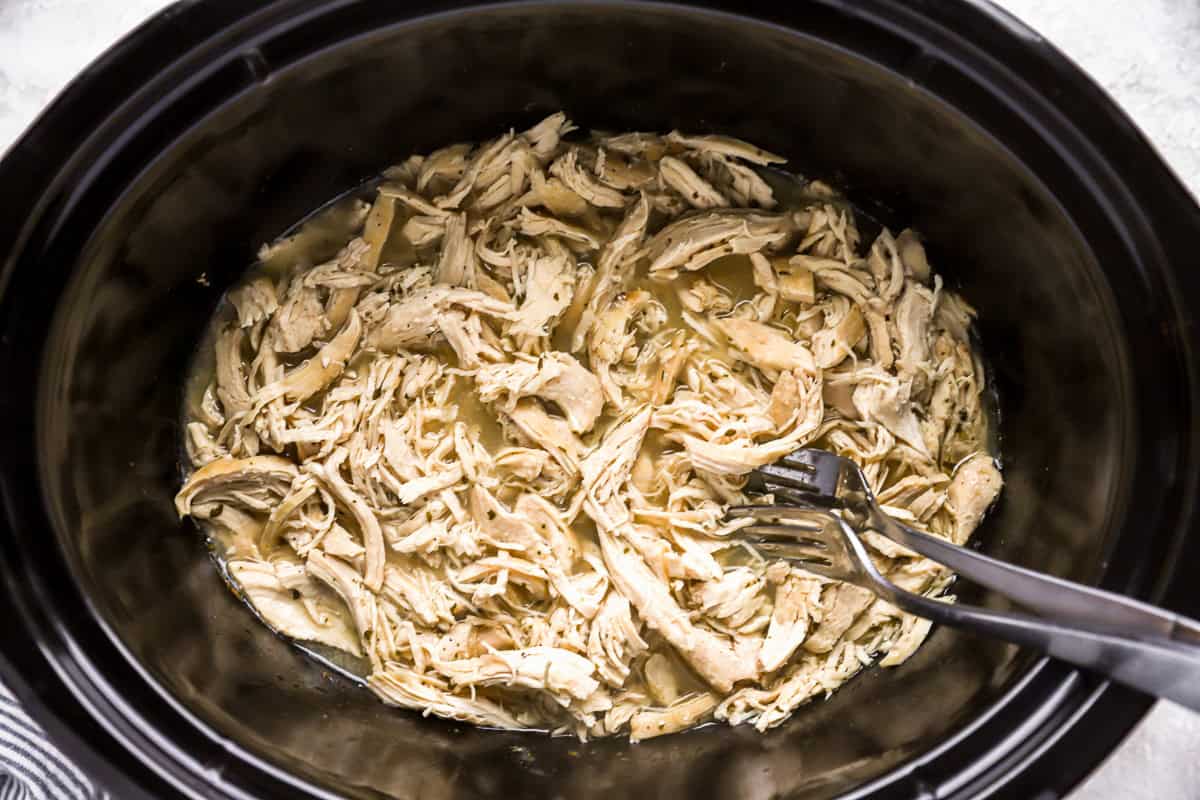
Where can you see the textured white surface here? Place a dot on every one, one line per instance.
(1145, 52)
(44, 43)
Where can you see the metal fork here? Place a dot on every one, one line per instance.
(828, 501)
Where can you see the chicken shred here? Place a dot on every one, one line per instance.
(487, 448)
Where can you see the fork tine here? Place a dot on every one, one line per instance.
(784, 534)
(824, 469)
(796, 543)
(803, 458)
(811, 519)
(807, 500)
(784, 476)
(790, 551)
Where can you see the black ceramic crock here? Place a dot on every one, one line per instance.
(146, 187)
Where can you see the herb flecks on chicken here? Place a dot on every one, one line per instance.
(488, 446)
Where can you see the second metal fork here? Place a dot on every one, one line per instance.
(828, 502)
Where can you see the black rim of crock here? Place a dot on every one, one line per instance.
(1048, 730)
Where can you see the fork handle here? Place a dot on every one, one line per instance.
(1159, 667)
(1067, 602)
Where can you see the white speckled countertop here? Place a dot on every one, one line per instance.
(1146, 53)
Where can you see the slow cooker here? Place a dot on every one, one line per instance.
(145, 189)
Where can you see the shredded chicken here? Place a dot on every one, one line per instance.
(487, 448)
